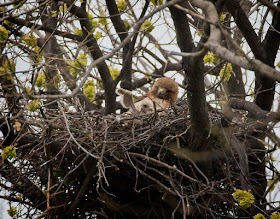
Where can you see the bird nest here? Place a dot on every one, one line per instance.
(133, 165)
(145, 156)
(116, 135)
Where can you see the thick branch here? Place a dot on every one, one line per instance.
(116, 19)
(253, 110)
(265, 87)
(29, 24)
(126, 72)
(82, 190)
(270, 5)
(272, 38)
(194, 76)
(91, 43)
(50, 70)
(252, 64)
(246, 28)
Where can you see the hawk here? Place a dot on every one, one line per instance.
(163, 94)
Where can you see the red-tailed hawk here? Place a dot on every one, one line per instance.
(163, 93)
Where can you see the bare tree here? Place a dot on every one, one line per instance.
(69, 151)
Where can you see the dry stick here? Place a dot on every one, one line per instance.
(48, 188)
(166, 166)
(176, 208)
(167, 178)
(71, 171)
(156, 181)
(187, 54)
(181, 200)
(62, 148)
(100, 164)
(183, 205)
(82, 190)
(47, 210)
(194, 14)
(71, 135)
(276, 180)
(147, 175)
(14, 199)
(270, 5)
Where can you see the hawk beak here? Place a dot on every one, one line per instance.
(161, 92)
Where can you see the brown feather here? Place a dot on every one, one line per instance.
(166, 89)
(163, 93)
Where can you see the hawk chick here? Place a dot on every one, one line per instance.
(163, 93)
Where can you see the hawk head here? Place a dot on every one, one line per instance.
(164, 88)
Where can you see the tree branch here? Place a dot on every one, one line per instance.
(193, 68)
(29, 24)
(116, 19)
(254, 110)
(246, 28)
(82, 191)
(96, 53)
(264, 86)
